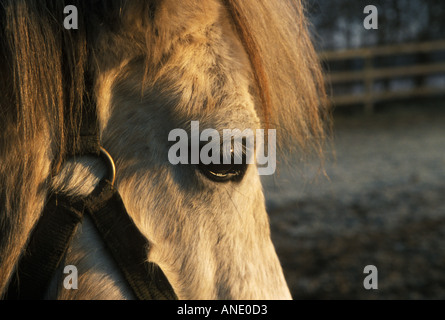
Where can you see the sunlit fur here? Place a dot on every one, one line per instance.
(156, 65)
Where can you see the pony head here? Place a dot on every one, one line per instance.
(156, 66)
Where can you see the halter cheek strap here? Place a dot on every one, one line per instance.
(46, 248)
(55, 230)
(127, 245)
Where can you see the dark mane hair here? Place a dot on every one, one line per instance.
(44, 69)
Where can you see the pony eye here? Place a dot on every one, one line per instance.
(225, 172)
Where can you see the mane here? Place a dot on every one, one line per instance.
(44, 87)
(44, 68)
(286, 69)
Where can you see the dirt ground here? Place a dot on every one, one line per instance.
(382, 203)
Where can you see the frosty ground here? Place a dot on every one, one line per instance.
(382, 203)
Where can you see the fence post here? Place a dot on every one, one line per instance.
(369, 83)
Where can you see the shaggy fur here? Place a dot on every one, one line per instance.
(156, 65)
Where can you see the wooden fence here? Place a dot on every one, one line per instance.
(369, 74)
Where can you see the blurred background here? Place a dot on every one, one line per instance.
(379, 198)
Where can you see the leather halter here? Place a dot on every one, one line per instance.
(62, 215)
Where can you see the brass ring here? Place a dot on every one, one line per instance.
(111, 166)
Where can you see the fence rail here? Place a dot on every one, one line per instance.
(369, 74)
